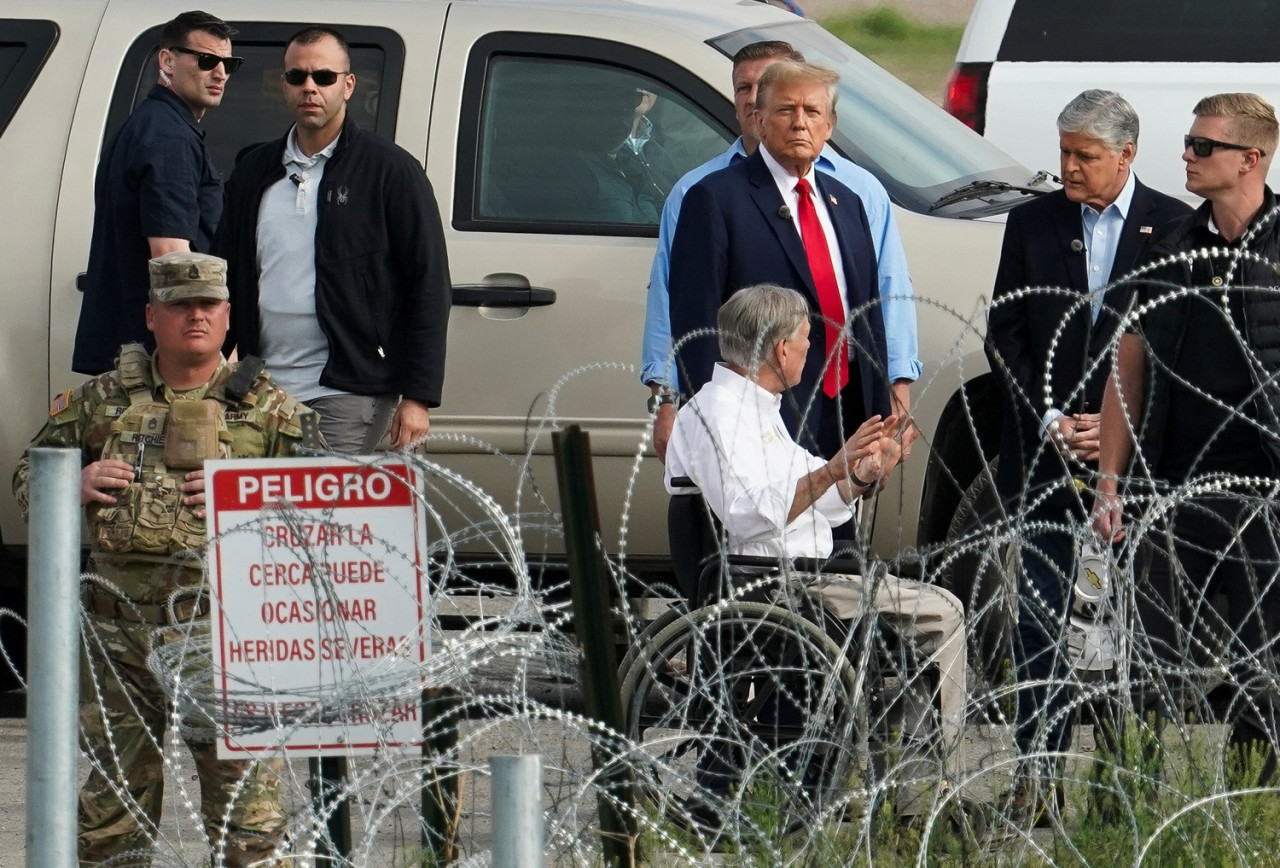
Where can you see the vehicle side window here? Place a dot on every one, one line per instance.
(572, 145)
(1225, 31)
(253, 109)
(24, 48)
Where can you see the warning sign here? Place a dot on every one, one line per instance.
(320, 603)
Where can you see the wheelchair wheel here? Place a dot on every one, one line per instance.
(740, 696)
(640, 646)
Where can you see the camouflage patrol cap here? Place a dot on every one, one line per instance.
(180, 275)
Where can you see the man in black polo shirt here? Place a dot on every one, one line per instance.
(1195, 379)
(156, 189)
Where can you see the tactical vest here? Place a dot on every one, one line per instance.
(163, 445)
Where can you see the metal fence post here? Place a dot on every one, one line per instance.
(53, 652)
(328, 777)
(517, 811)
(591, 586)
(440, 799)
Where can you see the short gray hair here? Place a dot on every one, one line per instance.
(755, 319)
(1101, 114)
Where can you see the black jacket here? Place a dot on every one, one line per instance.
(382, 273)
(1043, 256)
(1166, 321)
(155, 180)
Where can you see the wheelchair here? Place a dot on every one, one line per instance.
(749, 681)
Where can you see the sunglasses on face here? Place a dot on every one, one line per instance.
(322, 77)
(1202, 147)
(208, 62)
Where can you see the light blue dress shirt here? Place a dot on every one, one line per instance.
(1101, 240)
(897, 303)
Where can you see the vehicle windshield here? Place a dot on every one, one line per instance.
(918, 151)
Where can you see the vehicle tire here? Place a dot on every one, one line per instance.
(978, 565)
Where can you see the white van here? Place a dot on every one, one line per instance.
(481, 93)
(1021, 61)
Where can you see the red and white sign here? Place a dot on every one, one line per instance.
(320, 603)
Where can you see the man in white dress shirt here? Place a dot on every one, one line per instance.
(776, 499)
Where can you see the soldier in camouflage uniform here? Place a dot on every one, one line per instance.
(144, 431)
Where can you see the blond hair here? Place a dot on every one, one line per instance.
(788, 72)
(1250, 118)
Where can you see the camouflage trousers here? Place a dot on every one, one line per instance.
(124, 717)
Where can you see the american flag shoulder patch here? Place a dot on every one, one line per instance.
(60, 403)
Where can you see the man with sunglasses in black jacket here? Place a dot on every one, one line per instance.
(156, 189)
(340, 278)
(1189, 435)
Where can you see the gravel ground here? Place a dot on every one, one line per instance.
(566, 763)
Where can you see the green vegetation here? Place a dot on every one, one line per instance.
(1180, 799)
(1171, 796)
(918, 54)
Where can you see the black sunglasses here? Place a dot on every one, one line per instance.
(1202, 147)
(207, 61)
(322, 77)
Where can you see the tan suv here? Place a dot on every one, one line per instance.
(491, 96)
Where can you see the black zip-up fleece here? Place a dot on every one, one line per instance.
(382, 272)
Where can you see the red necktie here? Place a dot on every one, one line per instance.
(824, 281)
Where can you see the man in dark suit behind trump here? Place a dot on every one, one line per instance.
(770, 218)
(1049, 341)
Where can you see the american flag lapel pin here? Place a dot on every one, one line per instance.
(832, 200)
(1144, 230)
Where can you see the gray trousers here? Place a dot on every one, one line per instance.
(354, 424)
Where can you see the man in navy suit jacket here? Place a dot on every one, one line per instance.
(741, 226)
(1051, 351)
